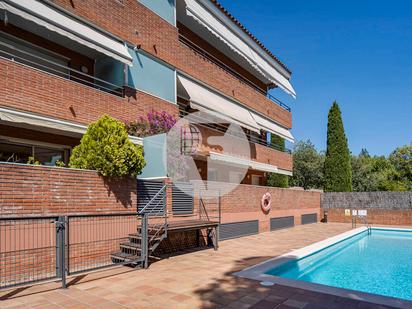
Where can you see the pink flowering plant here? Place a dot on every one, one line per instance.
(154, 123)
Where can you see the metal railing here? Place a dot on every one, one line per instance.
(155, 211)
(14, 54)
(49, 248)
(221, 128)
(365, 223)
(29, 250)
(193, 46)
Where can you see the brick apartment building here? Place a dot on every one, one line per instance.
(64, 63)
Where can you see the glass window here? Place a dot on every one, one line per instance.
(15, 153)
(20, 153)
(31, 55)
(48, 156)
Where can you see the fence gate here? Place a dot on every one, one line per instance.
(30, 250)
(182, 198)
(146, 190)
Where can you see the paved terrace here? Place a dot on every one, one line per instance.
(200, 279)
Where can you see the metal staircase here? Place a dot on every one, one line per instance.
(150, 233)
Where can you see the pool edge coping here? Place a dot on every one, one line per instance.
(258, 272)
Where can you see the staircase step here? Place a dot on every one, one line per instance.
(132, 246)
(138, 236)
(121, 257)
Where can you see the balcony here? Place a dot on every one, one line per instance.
(183, 39)
(261, 150)
(201, 65)
(47, 61)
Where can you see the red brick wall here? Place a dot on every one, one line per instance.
(38, 190)
(28, 89)
(244, 203)
(197, 66)
(375, 216)
(160, 38)
(131, 21)
(272, 156)
(258, 152)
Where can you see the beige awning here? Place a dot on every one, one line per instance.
(273, 127)
(34, 121)
(209, 101)
(244, 162)
(238, 42)
(68, 26)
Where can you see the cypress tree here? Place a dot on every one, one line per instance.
(337, 168)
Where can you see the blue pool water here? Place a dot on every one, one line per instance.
(380, 263)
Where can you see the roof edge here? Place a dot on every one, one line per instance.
(245, 30)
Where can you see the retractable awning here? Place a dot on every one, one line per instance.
(272, 127)
(237, 43)
(57, 21)
(14, 117)
(233, 160)
(208, 101)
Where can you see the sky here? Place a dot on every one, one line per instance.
(358, 53)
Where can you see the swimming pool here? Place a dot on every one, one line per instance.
(379, 263)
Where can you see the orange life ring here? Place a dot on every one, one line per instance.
(266, 202)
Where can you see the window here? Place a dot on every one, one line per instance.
(256, 180)
(24, 153)
(15, 153)
(32, 55)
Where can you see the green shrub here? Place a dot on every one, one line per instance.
(106, 148)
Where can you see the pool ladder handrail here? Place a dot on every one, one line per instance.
(368, 226)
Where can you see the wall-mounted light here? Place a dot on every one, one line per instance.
(84, 69)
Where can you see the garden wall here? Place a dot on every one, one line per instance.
(39, 190)
(393, 208)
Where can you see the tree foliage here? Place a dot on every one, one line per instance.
(307, 166)
(379, 173)
(337, 168)
(274, 179)
(106, 148)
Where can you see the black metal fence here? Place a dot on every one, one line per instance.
(35, 249)
(28, 250)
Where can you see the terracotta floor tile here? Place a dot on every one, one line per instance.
(200, 279)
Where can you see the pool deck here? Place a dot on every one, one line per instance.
(201, 279)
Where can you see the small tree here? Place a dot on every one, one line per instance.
(307, 166)
(337, 169)
(106, 147)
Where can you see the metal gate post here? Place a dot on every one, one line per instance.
(145, 241)
(60, 250)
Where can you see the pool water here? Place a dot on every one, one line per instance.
(380, 263)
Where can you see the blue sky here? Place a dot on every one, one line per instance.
(358, 53)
